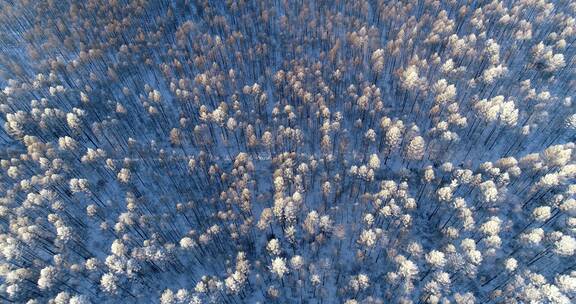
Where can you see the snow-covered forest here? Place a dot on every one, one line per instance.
(279, 151)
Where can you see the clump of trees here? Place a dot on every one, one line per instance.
(310, 152)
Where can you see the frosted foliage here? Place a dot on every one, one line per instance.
(415, 149)
(279, 267)
(541, 213)
(407, 269)
(187, 243)
(558, 155)
(368, 238)
(79, 299)
(287, 151)
(47, 277)
(497, 109)
(378, 60)
(393, 136)
(565, 246)
(489, 191)
(108, 283)
(444, 194)
(297, 262)
(374, 161)
(410, 78)
(511, 264)
(491, 227)
(533, 237)
(436, 258)
(567, 283)
(167, 297)
(273, 247)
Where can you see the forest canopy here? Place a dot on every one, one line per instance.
(259, 151)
